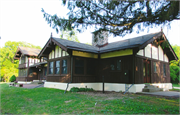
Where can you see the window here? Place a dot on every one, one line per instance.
(23, 60)
(51, 64)
(155, 67)
(57, 68)
(64, 66)
(23, 72)
(79, 66)
(115, 65)
(164, 69)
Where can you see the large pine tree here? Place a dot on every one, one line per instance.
(117, 17)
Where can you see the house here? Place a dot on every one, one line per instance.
(124, 64)
(30, 66)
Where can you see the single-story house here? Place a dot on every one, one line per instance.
(135, 61)
(30, 66)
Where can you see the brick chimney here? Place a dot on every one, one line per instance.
(100, 38)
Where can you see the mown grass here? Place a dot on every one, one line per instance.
(175, 85)
(16, 100)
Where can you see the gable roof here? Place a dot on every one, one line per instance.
(136, 42)
(26, 51)
(128, 43)
(76, 45)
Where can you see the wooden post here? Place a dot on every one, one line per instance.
(103, 83)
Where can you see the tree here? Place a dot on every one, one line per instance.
(8, 66)
(117, 17)
(175, 66)
(70, 35)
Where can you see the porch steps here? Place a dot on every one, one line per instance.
(151, 88)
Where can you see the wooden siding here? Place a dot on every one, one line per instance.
(156, 77)
(64, 79)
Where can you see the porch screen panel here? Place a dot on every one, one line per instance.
(90, 67)
(79, 66)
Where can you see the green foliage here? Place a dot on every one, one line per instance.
(50, 101)
(13, 78)
(116, 16)
(76, 89)
(70, 35)
(175, 66)
(8, 65)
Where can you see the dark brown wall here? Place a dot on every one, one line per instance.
(157, 77)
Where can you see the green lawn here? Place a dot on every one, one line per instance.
(53, 101)
(175, 85)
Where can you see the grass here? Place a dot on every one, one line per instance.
(16, 100)
(175, 85)
(178, 90)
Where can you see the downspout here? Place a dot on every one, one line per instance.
(71, 74)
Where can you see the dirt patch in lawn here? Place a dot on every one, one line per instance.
(109, 95)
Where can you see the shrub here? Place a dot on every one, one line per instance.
(13, 78)
(76, 89)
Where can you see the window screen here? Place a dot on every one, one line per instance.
(90, 67)
(79, 66)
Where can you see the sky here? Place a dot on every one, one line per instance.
(22, 20)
